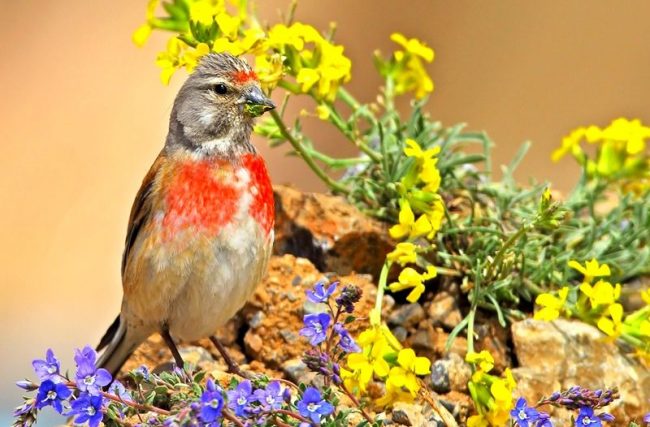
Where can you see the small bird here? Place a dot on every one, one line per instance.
(201, 227)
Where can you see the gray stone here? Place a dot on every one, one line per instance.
(407, 315)
(440, 377)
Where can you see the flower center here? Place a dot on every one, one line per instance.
(51, 369)
(91, 410)
(318, 328)
(270, 399)
(586, 421)
(89, 380)
(522, 415)
(312, 407)
(51, 395)
(214, 403)
(241, 401)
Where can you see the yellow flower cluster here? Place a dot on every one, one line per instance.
(409, 72)
(492, 395)
(419, 188)
(299, 50)
(621, 152)
(383, 357)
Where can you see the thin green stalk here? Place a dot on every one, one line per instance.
(334, 185)
(337, 121)
(381, 288)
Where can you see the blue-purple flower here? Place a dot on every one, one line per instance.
(87, 408)
(48, 369)
(313, 406)
(349, 296)
(524, 415)
(316, 327)
(88, 377)
(240, 398)
(271, 398)
(586, 417)
(544, 420)
(52, 394)
(646, 418)
(211, 403)
(346, 342)
(321, 294)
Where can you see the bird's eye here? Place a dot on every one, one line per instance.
(221, 89)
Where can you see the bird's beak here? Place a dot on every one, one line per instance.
(255, 102)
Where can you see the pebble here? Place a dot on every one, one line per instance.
(407, 315)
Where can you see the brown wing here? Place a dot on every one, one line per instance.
(141, 209)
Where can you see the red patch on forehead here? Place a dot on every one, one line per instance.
(242, 77)
(262, 207)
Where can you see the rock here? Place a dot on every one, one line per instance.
(631, 293)
(440, 377)
(400, 333)
(274, 340)
(296, 371)
(560, 354)
(493, 338)
(408, 414)
(327, 230)
(407, 315)
(399, 416)
(443, 311)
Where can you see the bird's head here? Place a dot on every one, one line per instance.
(215, 109)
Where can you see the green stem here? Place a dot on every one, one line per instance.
(334, 185)
(381, 288)
(336, 120)
(502, 251)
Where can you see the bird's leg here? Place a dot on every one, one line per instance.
(170, 343)
(233, 367)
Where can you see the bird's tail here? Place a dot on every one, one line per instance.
(119, 342)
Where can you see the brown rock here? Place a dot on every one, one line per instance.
(564, 353)
(327, 230)
(493, 338)
(281, 298)
(443, 310)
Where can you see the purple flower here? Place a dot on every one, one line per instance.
(211, 403)
(142, 371)
(47, 369)
(316, 327)
(646, 418)
(313, 406)
(87, 408)
(240, 398)
(544, 420)
(522, 414)
(346, 342)
(270, 398)
(320, 294)
(88, 377)
(349, 296)
(118, 389)
(52, 394)
(586, 417)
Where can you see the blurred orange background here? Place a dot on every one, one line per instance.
(84, 114)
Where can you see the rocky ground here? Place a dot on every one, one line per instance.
(322, 237)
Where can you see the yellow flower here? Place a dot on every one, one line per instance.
(170, 59)
(269, 70)
(204, 11)
(307, 78)
(375, 342)
(591, 269)
(632, 132)
(413, 149)
(394, 394)
(478, 420)
(323, 112)
(411, 76)
(570, 143)
(413, 46)
(551, 304)
(409, 278)
(404, 253)
(229, 25)
(191, 56)
(408, 226)
(484, 360)
(409, 367)
(602, 293)
(141, 35)
(645, 295)
(612, 325)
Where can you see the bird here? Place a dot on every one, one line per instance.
(200, 232)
